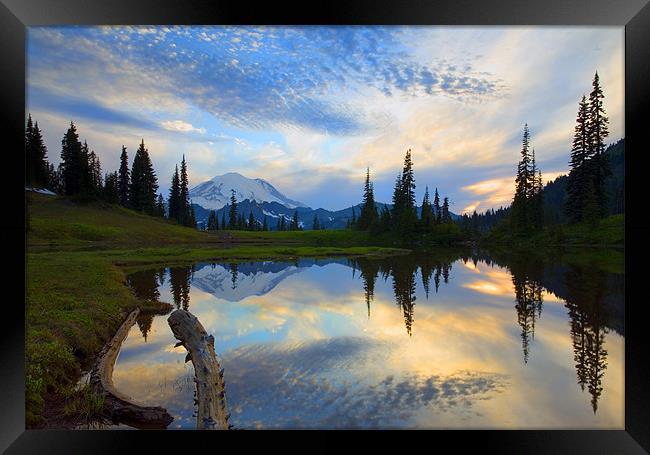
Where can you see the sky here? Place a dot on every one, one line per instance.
(309, 108)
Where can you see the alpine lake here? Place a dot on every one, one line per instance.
(446, 339)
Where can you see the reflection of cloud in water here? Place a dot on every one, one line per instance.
(316, 385)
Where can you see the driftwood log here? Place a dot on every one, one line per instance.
(117, 406)
(210, 387)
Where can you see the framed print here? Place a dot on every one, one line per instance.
(364, 217)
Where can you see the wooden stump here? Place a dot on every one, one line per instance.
(208, 375)
(116, 406)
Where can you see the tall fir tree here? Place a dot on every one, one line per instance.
(577, 181)
(252, 224)
(71, 167)
(445, 216)
(520, 208)
(184, 207)
(174, 200)
(144, 184)
(94, 173)
(368, 215)
(232, 214)
(124, 181)
(315, 224)
(597, 133)
(404, 211)
(436, 207)
(86, 183)
(36, 164)
(427, 218)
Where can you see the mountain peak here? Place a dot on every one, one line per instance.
(215, 193)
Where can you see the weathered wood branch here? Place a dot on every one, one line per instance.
(118, 407)
(208, 375)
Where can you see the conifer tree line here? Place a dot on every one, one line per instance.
(527, 206)
(402, 217)
(80, 174)
(586, 187)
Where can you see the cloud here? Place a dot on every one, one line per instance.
(181, 126)
(291, 83)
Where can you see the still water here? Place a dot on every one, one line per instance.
(444, 340)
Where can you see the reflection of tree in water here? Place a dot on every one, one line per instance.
(145, 283)
(586, 291)
(526, 279)
(179, 282)
(233, 274)
(369, 270)
(402, 270)
(528, 294)
(144, 321)
(404, 288)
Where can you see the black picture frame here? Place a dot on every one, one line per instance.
(634, 15)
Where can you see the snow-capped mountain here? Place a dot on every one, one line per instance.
(215, 193)
(255, 278)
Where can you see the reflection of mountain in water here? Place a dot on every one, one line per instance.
(235, 282)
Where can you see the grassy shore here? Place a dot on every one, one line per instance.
(77, 256)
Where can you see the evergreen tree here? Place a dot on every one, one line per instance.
(174, 200)
(184, 208)
(384, 219)
(54, 178)
(94, 173)
(192, 218)
(368, 215)
(37, 166)
(71, 167)
(577, 181)
(212, 221)
(427, 219)
(535, 197)
(521, 216)
(295, 225)
(29, 152)
(597, 132)
(445, 215)
(353, 221)
(315, 224)
(241, 222)
(397, 200)
(252, 225)
(160, 206)
(223, 221)
(404, 211)
(283, 223)
(232, 214)
(144, 184)
(265, 225)
(111, 190)
(86, 183)
(436, 208)
(124, 178)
